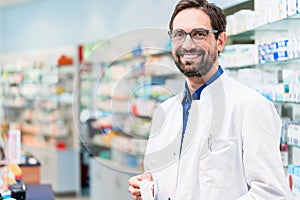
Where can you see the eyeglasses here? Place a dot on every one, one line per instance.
(197, 35)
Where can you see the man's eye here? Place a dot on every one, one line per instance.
(177, 35)
(199, 34)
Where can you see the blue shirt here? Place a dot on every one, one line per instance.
(187, 99)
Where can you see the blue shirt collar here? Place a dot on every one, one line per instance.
(197, 93)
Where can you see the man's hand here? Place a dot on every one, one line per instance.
(134, 187)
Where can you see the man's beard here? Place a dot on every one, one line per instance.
(197, 68)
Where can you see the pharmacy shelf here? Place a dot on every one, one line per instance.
(139, 57)
(287, 102)
(277, 64)
(108, 112)
(145, 75)
(123, 92)
(293, 145)
(277, 27)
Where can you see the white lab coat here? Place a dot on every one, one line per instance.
(230, 150)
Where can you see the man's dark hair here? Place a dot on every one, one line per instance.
(216, 14)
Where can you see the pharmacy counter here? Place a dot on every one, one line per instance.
(38, 192)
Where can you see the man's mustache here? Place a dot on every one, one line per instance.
(182, 51)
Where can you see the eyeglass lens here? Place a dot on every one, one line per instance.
(196, 35)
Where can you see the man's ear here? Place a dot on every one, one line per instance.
(221, 41)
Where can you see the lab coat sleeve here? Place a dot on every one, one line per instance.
(152, 163)
(261, 155)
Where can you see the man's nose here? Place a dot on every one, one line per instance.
(188, 43)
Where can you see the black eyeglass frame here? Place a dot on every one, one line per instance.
(170, 32)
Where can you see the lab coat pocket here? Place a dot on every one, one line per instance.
(216, 169)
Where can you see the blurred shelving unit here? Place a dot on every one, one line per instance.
(118, 96)
(38, 99)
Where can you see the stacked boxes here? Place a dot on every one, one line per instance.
(240, 21)
(294, 46)
(265, 12)
(273, 51)
(272, 10)
(294, 178)
(239, 55)
(293, 136)
(291, 83)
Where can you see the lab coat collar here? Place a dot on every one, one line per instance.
(197, 93)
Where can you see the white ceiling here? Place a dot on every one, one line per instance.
(7, 3)
(223, 4)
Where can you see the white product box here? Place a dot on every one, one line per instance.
(295, 135)
(276, 10)
(282, 9)
(279, 90)
(244, 20)
(270, 77)
(296, 184)
(270, 10)
(291, 7)
(230, 25)
(13, 148)
(239, 55)
(287, 76)
(250, 76)
(261, 16)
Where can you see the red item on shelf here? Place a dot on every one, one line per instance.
(64, 60)
(61, 146)
(80, 53)
(290, 182)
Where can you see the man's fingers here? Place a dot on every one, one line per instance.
(134, 191)
(133, 182)
(146, 176)
(134, 187)
(137, 198)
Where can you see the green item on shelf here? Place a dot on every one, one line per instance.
(105, 154)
